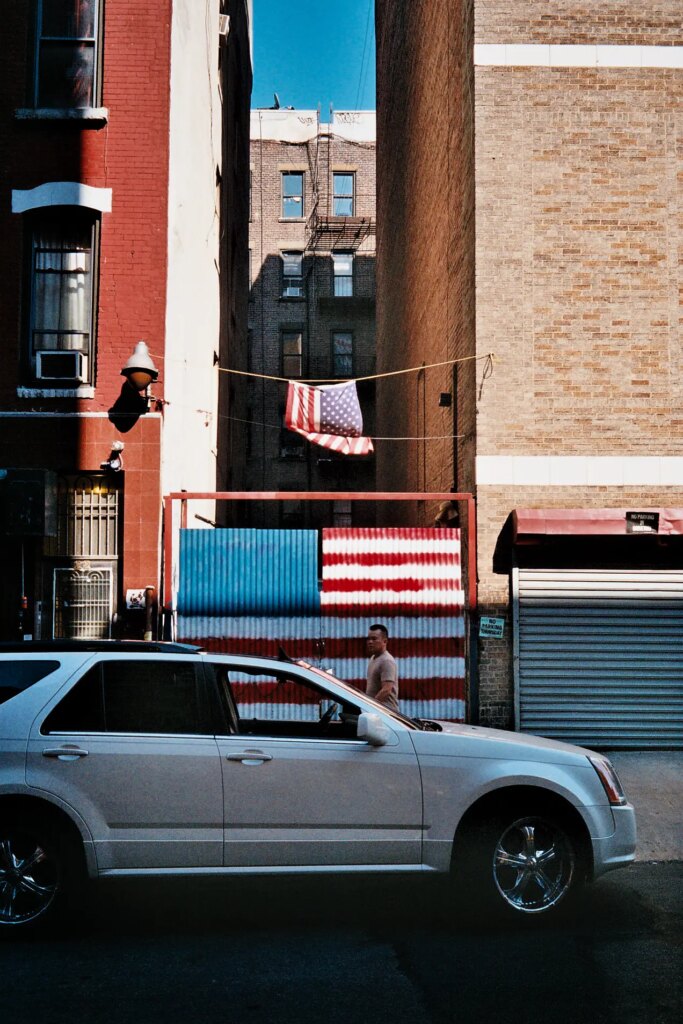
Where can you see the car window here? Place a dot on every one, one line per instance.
(262, 703)
(17, 675)
(149, 696)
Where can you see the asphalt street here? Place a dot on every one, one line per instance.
(348, 952)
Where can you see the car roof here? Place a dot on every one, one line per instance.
(127, 646)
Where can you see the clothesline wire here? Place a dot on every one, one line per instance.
(373, 437)
(374, 376)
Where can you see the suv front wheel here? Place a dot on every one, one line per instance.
(521, 863)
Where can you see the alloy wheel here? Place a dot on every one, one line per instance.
(533, 865)
(29, 878)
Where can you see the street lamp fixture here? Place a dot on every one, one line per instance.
(139, 369)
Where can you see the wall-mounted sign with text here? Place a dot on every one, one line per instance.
(642, 522)
(492, 627)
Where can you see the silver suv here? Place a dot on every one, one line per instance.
(156, 759)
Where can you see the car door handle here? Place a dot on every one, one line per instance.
(249, 757)
(65, 753)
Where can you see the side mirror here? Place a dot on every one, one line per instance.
(372, 728)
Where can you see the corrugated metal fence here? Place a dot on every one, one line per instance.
(247, 591)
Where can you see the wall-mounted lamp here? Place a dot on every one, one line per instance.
(115, 461)
(140, 370)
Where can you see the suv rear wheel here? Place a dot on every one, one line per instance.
(32, 873)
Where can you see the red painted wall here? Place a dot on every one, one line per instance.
(129, 155)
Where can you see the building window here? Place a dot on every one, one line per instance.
(292, 354)
(343, 188)
(292, 445)
(292, 514)
(342, 263)
(341, 513)
(292, 194)
(62, 281)
(342, 354)
(88, 519)
(67, 53)
(292, 275)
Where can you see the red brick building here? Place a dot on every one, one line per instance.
(95, 121)
(529, 205)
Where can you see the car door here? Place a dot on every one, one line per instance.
(298, 791)
(131, 748)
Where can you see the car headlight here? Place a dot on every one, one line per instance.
(610, 781)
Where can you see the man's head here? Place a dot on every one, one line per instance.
(378, 637)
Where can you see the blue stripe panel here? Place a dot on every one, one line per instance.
(248, 572)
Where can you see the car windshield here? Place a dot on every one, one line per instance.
(411, 723)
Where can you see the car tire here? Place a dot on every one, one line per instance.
(38, 870)
(523, 863)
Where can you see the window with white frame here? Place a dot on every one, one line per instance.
(342, 263)
(292, 194)
(343, 193)
(67, 57)
(292, 275)
(61, 289)
(342, 353)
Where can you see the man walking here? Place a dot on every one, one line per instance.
(382, 674)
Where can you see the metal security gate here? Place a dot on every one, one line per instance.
(83, 603)
(599, 656)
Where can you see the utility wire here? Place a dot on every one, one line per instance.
(489, 357)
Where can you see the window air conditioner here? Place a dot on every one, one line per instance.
(71, 366)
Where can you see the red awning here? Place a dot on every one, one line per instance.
(592, 521)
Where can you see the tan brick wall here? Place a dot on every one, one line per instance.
(613, 22)
(580, 171)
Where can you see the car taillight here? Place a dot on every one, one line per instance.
(610, 780)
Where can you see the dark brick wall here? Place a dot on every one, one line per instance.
(317, 314)
(425, 216)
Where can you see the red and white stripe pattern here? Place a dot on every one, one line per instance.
(429, 651)
(312, 409)
(414, 571)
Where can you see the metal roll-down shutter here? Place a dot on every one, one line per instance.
(599, 656)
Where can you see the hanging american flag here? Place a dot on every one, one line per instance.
(328, 415)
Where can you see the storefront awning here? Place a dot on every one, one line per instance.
(534, 522)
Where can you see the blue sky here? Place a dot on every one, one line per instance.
(314, 52)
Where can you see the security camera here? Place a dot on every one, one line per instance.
(114, 463)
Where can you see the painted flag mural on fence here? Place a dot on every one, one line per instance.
(408, 579)
(328, 415)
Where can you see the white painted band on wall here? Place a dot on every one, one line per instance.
(61, 193)
(580, 471)
(559, 55)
